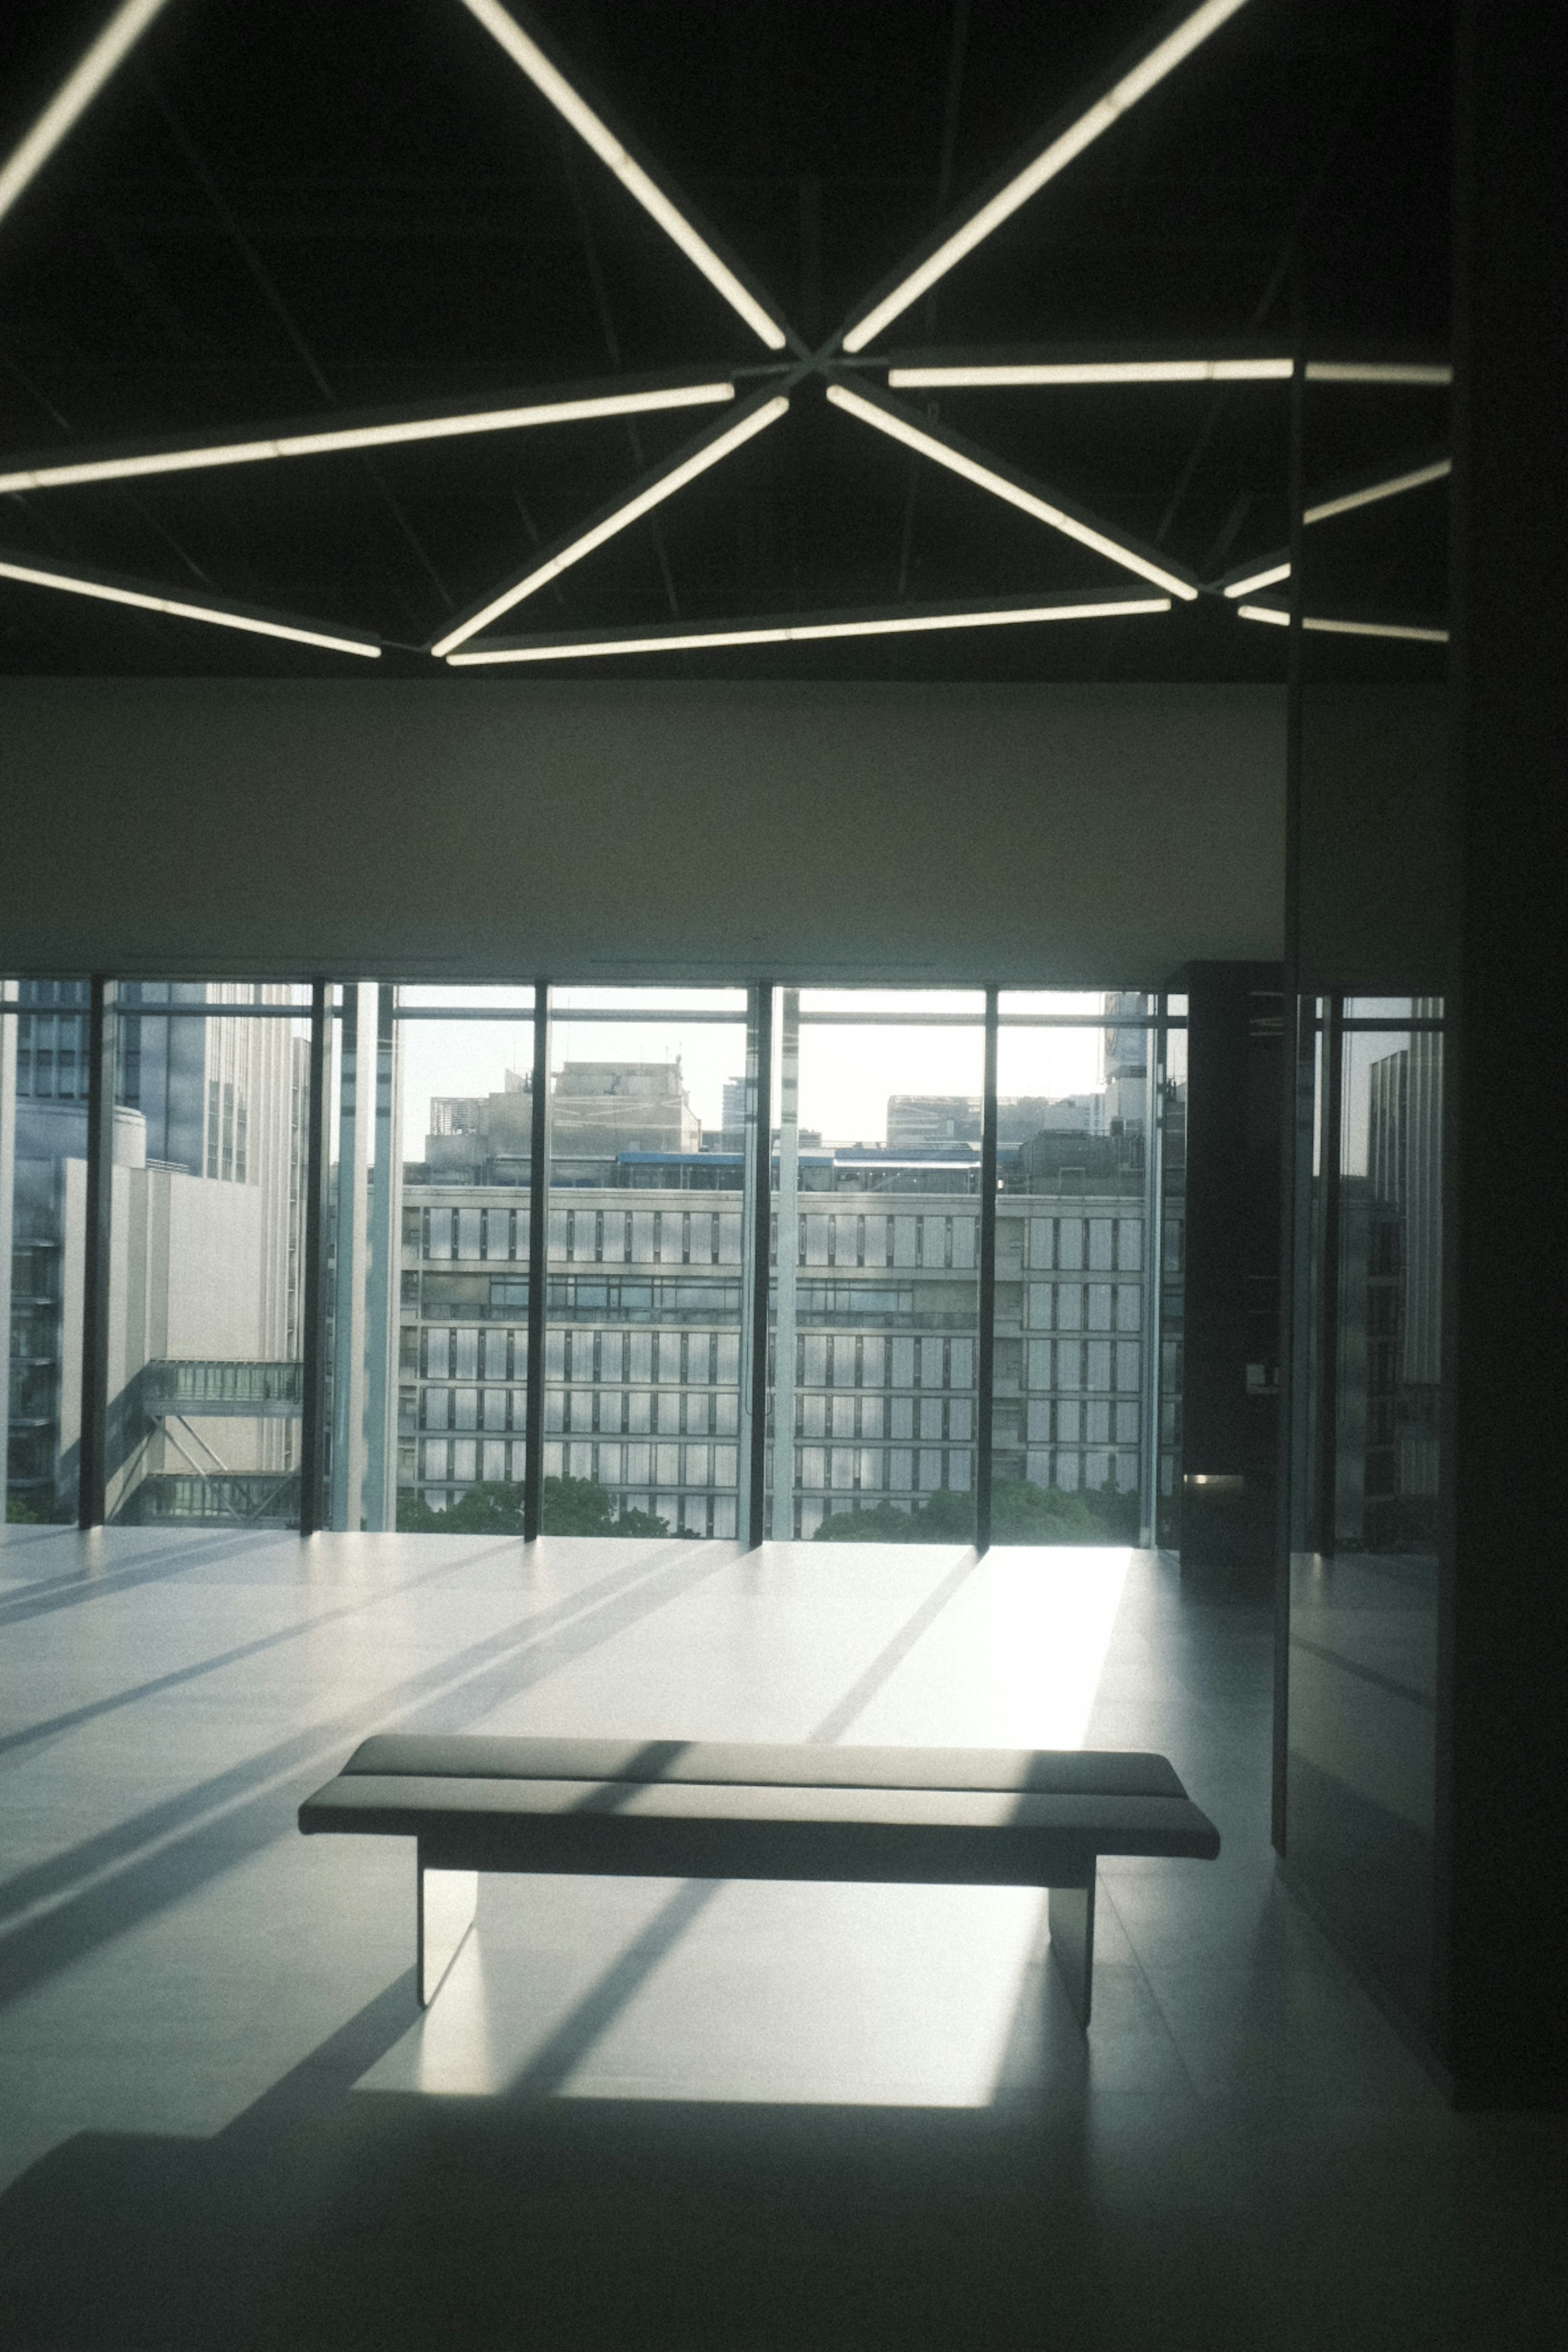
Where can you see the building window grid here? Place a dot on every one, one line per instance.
(887, 1461)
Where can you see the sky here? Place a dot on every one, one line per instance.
(847, 1072)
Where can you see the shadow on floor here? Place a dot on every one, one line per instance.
(324, 2219)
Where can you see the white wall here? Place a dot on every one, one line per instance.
(1056, 835)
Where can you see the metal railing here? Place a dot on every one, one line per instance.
(205, 1386)
(256, 1499)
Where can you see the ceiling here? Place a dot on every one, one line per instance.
(288, 215)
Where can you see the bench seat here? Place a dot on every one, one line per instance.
(696, 1808)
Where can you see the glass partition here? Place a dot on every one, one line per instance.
(1358, 1809)
(875, 1307)
(646, 1261)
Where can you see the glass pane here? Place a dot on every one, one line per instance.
(461, 1079)
(875, 1299)
(1074, 1300)
(1363, 1605)
(646, 1271)
(206, 1272)
(42, 1225)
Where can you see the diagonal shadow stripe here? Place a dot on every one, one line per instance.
(862, 1691)
(54, 1726)
(77, 1586)
(572, 2038)
(208, 1829)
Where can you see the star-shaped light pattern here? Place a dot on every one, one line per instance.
(844, 371)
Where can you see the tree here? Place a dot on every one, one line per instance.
(572, 1507)
(1021, 1513)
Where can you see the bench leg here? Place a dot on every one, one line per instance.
(1071, 1910)
(448, 1900)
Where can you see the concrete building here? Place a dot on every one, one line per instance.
(643, 1342)
(205, 1263)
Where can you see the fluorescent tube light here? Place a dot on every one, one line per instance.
(1370, 494)
(936, 379)
(365, 436)
(145, 601)
(804, 632)
(1324, 627)
(1275, 571)
(1000, 486)
(75, 95)
(573, 109)
(1424, 637)
(1154, 67)
(1377, 371)
(656, 492)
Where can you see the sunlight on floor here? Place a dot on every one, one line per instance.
(797, 1994)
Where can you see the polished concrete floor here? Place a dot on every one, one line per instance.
(651, 2115)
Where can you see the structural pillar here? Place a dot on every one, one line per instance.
(1230, 1375)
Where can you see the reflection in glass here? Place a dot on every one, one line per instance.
(1364, 1603)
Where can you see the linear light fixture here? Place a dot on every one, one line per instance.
(944, 452)
(1326, 627)
(937, 379)
(780, 633)
(652, 494)
(552, 84)
(1152, 68)
(75, 95)
(1269, 579)
(1378, 372)
(131, 463)
(147, 600)
(1370, 492)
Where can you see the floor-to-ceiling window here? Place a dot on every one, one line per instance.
(595, 1360)
(43, 1154)
(876, 1293)
(204, 1322)
(464, 1075)
(646, 1261)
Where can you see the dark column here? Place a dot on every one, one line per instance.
(1231, 1303)
(1502, 2018)
(755, 1373)
(92, 1493)
(985, 1384)
(313, 1426)
(538, 1267)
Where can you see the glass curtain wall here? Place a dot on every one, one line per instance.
(637, 1356)
(1076, 1283)
(875, 1303)
(459, 1100)
(649, 1179)
(206, 1253)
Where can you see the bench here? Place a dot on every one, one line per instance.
(697, 1809)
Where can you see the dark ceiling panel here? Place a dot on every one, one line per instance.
(287, 211)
